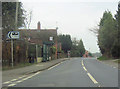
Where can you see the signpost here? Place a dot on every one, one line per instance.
(13, 35)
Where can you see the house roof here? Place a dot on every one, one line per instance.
(38, 35)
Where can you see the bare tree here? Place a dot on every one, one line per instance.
(28, 17)
(94, 30)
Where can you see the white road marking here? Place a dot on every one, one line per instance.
(27, 78)
(14, 83)
(7, 82)
(24, 79)
(53, 66)
(10, 81)
(21, 77)
(11, 85)
(18, 81)
(58, 64)
(30, 77)
(13, 80)
(94, 81)
(36, 73)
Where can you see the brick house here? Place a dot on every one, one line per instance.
(40, 36)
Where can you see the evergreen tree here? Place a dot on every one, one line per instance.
(106, 33)
(77, 49)
(66, 42)
(116, 45)
(8, 16)
(81, 48)
(8, 24)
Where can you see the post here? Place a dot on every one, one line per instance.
(12, 52)
(44, 52)
(68, 54)
(36, 52)
(16, 16)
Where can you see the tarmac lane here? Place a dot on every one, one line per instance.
(76, 72)
(106, 75)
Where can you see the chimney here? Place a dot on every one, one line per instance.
(38, 26)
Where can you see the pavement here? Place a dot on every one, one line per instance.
(12, 74)
(76, 72)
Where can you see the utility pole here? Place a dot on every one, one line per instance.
(16, 16)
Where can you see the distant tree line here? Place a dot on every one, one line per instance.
(108, 34)
(76, 47)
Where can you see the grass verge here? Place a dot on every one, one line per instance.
(117, 61)
(103, 58)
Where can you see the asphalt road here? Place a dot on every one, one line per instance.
(76, 72)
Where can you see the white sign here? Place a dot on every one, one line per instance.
(13, 35)
(51, 38)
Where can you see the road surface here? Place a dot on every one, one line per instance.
(76, 72)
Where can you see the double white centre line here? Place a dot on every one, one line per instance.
(14, 80)
(20, 79)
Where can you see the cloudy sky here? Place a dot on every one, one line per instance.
(74, 17)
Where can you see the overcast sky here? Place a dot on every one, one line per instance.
(74, 17)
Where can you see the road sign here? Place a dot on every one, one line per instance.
(51, 38)
(13, 35)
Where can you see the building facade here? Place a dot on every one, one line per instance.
(44, 38)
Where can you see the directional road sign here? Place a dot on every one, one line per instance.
(13, 35)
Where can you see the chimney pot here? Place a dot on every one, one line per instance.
(39, 26)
